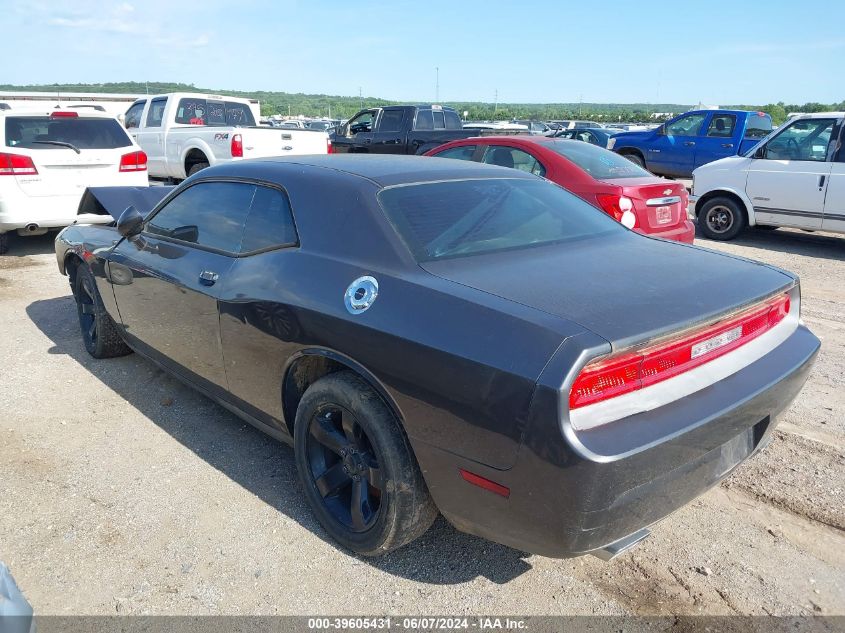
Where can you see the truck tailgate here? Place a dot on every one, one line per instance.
(262, 142)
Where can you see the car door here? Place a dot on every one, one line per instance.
(166, 279)
(673, 150)
(834, 202)
(151, 137)
(787, 177)
(717, 140)
(132, 119)
(387, 137)
(357, 135)
(259, 312)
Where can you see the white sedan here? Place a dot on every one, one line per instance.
(47, 159)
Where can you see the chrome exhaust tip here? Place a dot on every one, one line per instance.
(609, 552)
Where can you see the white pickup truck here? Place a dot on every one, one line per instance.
(182, 133)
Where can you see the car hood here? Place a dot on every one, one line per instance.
(114, 200)
(729, 163)
(626, 288)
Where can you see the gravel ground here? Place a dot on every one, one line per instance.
(123, 492)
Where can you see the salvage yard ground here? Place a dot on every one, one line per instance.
(124, 492)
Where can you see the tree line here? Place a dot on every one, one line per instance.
(320, 105)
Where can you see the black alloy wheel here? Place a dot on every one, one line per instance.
(356, 467)
(344, 467)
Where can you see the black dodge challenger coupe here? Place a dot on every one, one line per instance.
(433, 335)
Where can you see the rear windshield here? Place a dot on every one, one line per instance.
(600, 163)
(193, 111)
(470, 217)
(759, 125)
(42, 132)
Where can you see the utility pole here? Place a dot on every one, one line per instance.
(361, 97)
(288, 109)
(495, 102)
(437, 84)
(580, 101)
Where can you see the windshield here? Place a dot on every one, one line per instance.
(43, 132)
(600, 163)
(470, 217)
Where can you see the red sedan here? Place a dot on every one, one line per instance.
(638, 199)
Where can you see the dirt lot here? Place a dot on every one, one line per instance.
(121, 491)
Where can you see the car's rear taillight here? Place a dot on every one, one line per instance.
(64, 114)
(135, 161)
(618, 207)
(610, 377)
(329, 148)
(16, 165)
(237, 146)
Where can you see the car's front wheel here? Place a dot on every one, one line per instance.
(357, 469)
(721, 219)
(99, 333)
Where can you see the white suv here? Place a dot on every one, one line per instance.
(794, 177)
(47, 159)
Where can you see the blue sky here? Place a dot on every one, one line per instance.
(714, 52)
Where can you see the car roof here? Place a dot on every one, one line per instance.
(85, 113)
(818, 115)
(392, 170)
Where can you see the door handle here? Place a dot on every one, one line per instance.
(207, 277)
(821, 181)
(689, 143)
(728, 145)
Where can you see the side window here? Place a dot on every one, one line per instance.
(155, 115)
(513, 158)
(688, 125)
(391, 120)
(839, 147)
(464, 152)
(191, 111)
(210, 214)
(805, 139)
(424, 120)
(453, 121)
(722, 125)
(361, 123)
(270, 222)
(132, 118)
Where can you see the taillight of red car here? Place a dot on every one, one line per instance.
(136, 161)
(621, 208)
(16, 165)
(610, 377)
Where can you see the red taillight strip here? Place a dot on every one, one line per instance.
(611, 377)
(17, 165)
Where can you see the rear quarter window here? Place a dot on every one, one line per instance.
(596, 161)
(43, 132)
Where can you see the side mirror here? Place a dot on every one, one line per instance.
(130, 222)
(661, 131)
(760, 152)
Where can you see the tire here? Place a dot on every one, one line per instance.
(99, 332)
(351, 453)
(196, 167)
(4, 243)
(721, 219)
(636, 159)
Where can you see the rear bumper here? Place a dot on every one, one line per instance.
(569, 498)
(684, 233)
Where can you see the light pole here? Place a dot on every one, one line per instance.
(437, 84)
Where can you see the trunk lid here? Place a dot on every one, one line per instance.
(626, 288)
(658, 205)
(63, 172)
